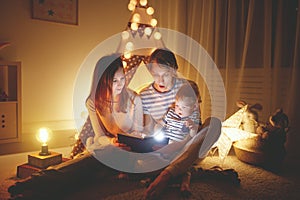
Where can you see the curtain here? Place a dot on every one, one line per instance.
(254, 44)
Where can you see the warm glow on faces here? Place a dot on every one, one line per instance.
(163, 77)
(118, 82)
(184, 106)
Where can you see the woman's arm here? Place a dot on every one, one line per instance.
(100, 136)
(90, 104)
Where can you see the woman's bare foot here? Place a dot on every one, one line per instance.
(158, 185)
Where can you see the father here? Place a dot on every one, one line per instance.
(156, 99)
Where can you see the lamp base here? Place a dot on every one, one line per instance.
(44, 153)
(44, 150)
(44, 161)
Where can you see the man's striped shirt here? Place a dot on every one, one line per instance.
(157, 103)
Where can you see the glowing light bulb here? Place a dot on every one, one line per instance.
(143, 2)
(153, 22)
(127, 55)
(129, 46)
(150, 11)
(131, 6)
(148, 31)
(43, 136)
(136, 18)
(134, 26)
(125, 35)
(157, 36)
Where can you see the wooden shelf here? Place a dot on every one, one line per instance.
(10, 107)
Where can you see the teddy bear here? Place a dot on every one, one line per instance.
(272, 135)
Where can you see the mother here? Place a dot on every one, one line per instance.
(112, 109)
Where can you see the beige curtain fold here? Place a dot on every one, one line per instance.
(255, 45)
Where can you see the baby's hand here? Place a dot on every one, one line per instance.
(193, 132)
(190, 124)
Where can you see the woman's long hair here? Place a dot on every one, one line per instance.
(103, 96)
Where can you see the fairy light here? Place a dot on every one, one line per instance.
(129, 46)
(143, 2)
(131, 6)
(153, 22)
(148, 31)
(136, 18)
(127, 55)
(150, 11)
(125, 35)
(157, 35)
(134, 26)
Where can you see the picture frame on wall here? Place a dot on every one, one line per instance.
(60, 11)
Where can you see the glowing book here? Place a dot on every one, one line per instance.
(142, 144)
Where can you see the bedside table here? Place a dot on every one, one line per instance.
(37, 163)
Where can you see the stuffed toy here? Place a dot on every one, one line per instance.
(249, 121)
(275, 129)
(272, 135)
(267, 148)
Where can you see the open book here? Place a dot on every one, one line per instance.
(140, 144)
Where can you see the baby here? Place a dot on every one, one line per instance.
(183, 118)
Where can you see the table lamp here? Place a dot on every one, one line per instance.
(43, 136)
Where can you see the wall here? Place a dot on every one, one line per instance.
(52, 54)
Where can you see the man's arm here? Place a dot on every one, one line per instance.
(149, 124)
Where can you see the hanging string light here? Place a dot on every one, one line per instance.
(140, 38)
(141, 29)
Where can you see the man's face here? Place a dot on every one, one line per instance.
(163, 77)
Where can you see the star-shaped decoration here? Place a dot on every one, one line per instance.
(50, 12)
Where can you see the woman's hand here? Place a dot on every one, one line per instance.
(115, 142)
(138, 134)
(89, 142)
